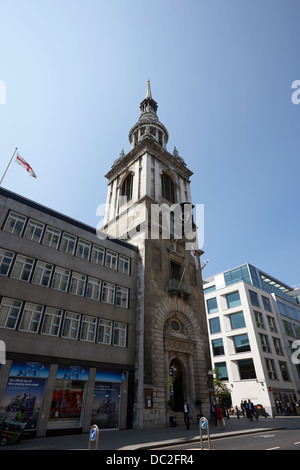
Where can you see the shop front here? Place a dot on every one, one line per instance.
(49, 399)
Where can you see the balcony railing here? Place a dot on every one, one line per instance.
(176, 287)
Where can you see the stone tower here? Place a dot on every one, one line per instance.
(149, 205)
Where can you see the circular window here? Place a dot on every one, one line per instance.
(175, 325)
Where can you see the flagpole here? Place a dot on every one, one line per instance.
(8, 165)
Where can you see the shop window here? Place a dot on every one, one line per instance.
(68, 398)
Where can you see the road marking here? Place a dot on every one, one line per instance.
(297, 442)
(273, 448)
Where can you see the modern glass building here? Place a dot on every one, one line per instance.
(254, 328)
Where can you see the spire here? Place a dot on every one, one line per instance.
(148, 105)
(148, 94)
(148, 125)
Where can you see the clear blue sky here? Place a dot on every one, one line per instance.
(221, 72)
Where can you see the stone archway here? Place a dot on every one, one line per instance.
(177, 337)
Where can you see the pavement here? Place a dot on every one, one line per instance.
(135, 440)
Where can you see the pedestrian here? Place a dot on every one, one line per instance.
(250, 408)
(186, 414)
(213, 412)
(243, 408)
(219, 415)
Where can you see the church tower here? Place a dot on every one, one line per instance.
(149, 205)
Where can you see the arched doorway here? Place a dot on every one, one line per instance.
(176, 385)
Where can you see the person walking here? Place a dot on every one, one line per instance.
(186, 414)
(213, 412)
(219, 416)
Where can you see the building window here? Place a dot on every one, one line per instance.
(68, 243)
(51, 237)
(126, 190)
(119, 334)
(104, 331)
(237, 275)
(277, 346)
(9, 312)
(108, 293)
(267, 304)
(221, 370)
(283, 309)
(237, 320)
(122, 297)
(77, 285)
(34, 231)
(15, 223)
(111, 259)
(168, 189)
(217, 347)
(98, 255)
(246, 369)
(259, 319)
(61, 279)
(214, 325)
(6, 258)
(88, 328)
(22, 268)
(265, 343)
(31, 317)
(52, 321)
(241, 343)
(254, 298)
(288, 328)
(271, 369)
(212, 306)
(209, 289)
(124, 264)
(233, 300)
(272, 324)
(71, 325)
(93, 290)
(284, 370)
(42, 274)
(83, 249)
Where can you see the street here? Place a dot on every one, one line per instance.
(284, 439)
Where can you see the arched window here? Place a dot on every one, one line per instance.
(168, 190)
(126, 189)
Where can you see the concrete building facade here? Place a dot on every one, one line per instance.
(67, 319)
(254, 326)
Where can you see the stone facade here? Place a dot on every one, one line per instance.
(171, 324)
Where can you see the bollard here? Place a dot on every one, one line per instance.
(94, 437)
(203, 424)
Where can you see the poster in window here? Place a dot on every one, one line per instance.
(23, 396)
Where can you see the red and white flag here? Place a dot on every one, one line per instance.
(194, 255)
(25, 165)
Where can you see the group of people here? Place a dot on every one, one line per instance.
(248, 410)
(215, 410)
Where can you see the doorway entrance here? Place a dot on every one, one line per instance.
(176, 385)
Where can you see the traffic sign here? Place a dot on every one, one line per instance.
(203, 423)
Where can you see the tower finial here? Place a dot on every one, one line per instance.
(148, 94)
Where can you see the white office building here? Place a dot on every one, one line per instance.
(254, 328)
